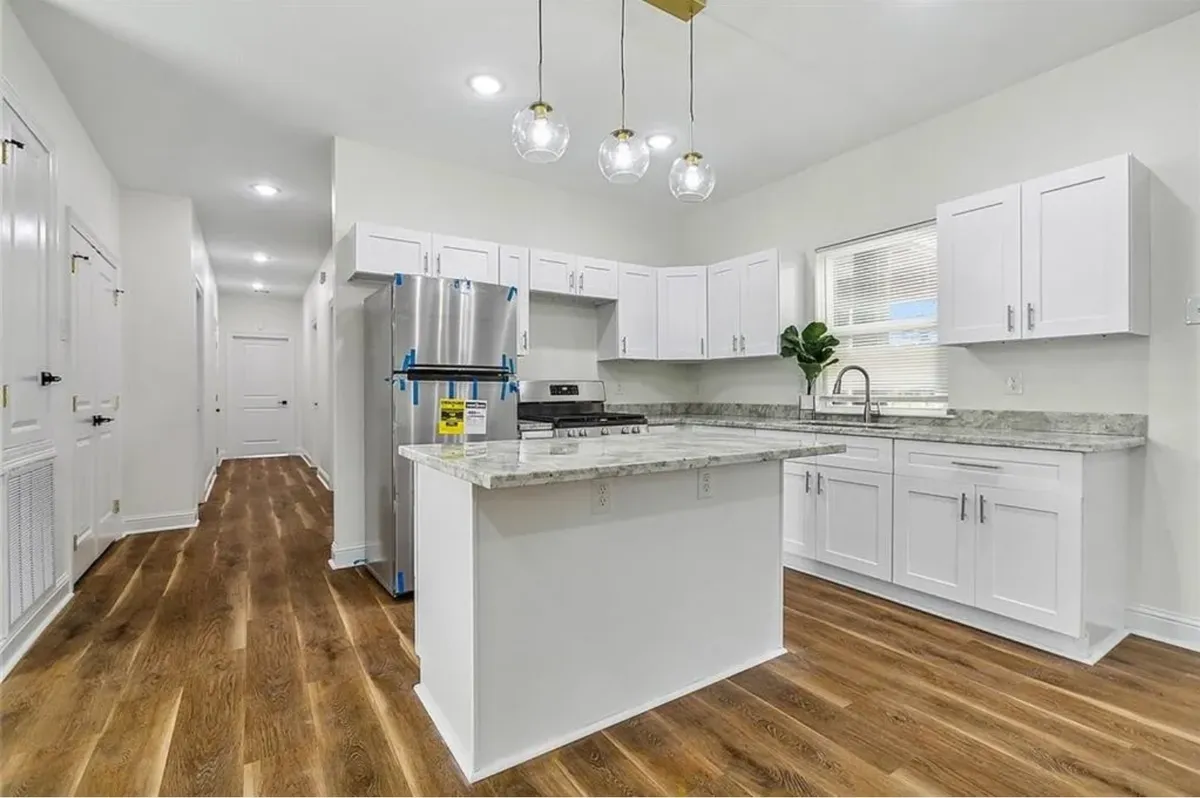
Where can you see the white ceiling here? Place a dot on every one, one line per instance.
(203, 98)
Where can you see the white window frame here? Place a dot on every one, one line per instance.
(894, 405)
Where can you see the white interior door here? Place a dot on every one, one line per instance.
(261, 384)
(95, 382)
(25, 214)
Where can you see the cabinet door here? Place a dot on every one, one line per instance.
(596, 278)
(637, 313)
(465, 259)
(552, 272)
(1075, 251)
(1029, 558)
(854, 521)
(25, 247)
(724, 309)
(514, 270)
(393, 250)
(800, 511)
(759, 315)
(682, 313)
(979, 267)
(933, 539)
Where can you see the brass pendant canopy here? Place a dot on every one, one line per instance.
(680, 9)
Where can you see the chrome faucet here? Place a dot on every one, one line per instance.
(837, 388)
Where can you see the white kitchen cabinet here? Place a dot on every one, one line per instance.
(377, 252)
(1086, 250)
(628, 328)
(552, 272)
(933, 540)
(1029, 563)
(514, 270)
(1063, 255)
(854, 521)
(979, 267)
(724, 309)
(596, 278)
(759, 316)
(682, 313)
(799, 509)
(466, 259)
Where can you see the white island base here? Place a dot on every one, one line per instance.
(541, 617)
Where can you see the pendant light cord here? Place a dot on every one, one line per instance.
(691, 85)
(622, 64)
(540, 52)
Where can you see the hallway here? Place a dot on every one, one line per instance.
(230, 660)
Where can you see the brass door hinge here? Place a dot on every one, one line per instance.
(116, 506)
(4, 396)
(75, 259)
(4, 148)
(74, 542)
(74, 404)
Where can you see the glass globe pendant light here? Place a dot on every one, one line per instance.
(692, 178)
(539, 135)
(624, 155)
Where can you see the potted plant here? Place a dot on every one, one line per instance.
(814, 352)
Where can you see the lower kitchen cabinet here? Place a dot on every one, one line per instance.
(933, 540)
(854, 520)
(799, 509)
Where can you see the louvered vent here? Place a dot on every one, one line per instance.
(30, 536)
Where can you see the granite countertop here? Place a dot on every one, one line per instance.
(516, 464)
(941, 433)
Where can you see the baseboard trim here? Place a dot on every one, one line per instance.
(140, 524)
(21, 639)
(347, 557)
(308, 461)
(325, 479)
(225, 457)
(1164, 626)
(208, 483)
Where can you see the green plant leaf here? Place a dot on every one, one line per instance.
(814, 331)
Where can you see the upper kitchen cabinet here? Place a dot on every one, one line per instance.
(1086, 251)
(596, 278)
(375, 251)
(465, 259)
(552, 272)
(514, 270)
(682, 313)
(979, 267)
(743, 306)
(1063, 255)
(628, 329)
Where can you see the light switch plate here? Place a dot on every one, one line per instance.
(1193, 310)
(704, 486)
(601, 496)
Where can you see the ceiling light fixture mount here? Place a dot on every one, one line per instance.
(260, 257)
(624, 155)
(692, 179)
(660, 141)
(264, 189)
(485, 85)
(538, 135)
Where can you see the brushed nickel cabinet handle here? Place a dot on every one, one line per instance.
(976, 465)
(1010, 318)
(981, 518)
(581, 282)
(439, 264)
(819, 478)
(962, 512)
(808, 482)
(743, 344)
(426, 266)
(1029, 314)
(702, 346)
(623, 348)
(733, 346)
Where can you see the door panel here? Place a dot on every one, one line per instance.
(800, 512)
(682, 313)
(854, 521)
(1029, 560)
(25, 246)
(392, 250)
(724, 309)
(552, 272)
(979, 267)
(465, 259)
(637, 313)
(596, 278)
(261, 387)
(759, 323)
(934, 537)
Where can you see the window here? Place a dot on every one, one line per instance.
(879, 297)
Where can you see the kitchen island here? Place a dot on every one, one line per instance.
(563, 586)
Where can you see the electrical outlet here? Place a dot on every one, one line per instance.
(1014, 384)
(601, 496)
(1192, 315)
(619, 389)
(704, 485)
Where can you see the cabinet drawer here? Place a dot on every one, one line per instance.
(862, 454)
(1022, 469)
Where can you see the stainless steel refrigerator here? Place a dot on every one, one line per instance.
(439, 369)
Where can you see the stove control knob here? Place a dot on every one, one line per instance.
(570, 433)
(604, 430)
(624, 430)
(636, 430)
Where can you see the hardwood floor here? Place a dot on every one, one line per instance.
(228, 659)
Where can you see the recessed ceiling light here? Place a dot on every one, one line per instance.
(485, 85)
(264, 189)
(258, 286)
(660, 141)
(260, 257)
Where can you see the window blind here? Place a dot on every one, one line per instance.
(880, 300)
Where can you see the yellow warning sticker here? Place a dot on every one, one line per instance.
(452, 416)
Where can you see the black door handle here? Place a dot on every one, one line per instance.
(98, 420)
(46, 378)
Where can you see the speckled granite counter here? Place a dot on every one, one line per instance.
(942, 433)
(514, 464)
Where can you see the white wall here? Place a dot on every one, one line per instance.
(243, 313)
(161, 464)
(316, 371)
(210, 338)
(1141, 96)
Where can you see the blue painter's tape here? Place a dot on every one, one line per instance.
(416, 393)
(474, 389)
(398, 381)
(452, 387)
(399, 279)
(512, 292)
(399, 581)
(503, 390)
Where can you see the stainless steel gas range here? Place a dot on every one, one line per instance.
(571, 410)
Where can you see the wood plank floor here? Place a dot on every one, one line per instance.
(228, 659)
